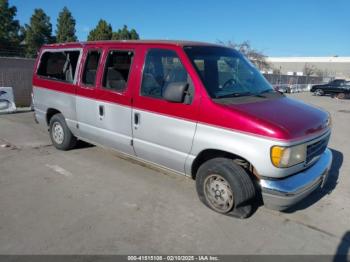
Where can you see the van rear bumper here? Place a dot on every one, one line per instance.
(280, 194)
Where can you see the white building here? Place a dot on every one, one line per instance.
(335, 67)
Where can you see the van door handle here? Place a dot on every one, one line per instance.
(101, 111)
(136, 120)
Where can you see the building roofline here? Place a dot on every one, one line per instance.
(329, 59)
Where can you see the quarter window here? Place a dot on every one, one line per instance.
(91, 66)
(117, 70)
(200, 66)
(161, 68)
(60, 66)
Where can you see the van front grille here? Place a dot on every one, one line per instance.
(316, 149)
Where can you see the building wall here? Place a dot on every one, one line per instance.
(335, 67)
(17, 73)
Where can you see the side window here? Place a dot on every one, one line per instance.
(161, 68)
(91, 66)
(117, 70)
(60, 66)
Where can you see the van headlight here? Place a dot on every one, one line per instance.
(288, 156)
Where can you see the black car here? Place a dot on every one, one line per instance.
(339, 88)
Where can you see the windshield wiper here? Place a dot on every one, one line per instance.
(266, 91)
(260, 94)
(234, 95)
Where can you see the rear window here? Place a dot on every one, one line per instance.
(60, 66)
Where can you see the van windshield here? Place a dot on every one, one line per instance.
(226, 73)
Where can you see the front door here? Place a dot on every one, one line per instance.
(163, 131)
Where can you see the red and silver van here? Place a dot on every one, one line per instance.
(197, 109)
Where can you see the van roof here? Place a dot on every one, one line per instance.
(133, 42)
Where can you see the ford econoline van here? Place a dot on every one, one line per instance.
(197, 109)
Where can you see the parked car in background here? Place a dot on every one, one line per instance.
(282, 88)
(292, 88)
(198, 109)
(338, 88)
(7, 103)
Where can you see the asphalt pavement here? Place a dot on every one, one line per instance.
(93, 201)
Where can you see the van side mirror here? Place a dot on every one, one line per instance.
(175, 92)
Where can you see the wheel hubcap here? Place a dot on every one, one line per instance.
(218, 193)
(341, 95)
(57, 133)
(319, 92)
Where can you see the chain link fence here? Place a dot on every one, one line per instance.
(293, 83)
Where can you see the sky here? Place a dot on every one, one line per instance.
(275, 27)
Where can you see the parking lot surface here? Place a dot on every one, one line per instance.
(93, 201)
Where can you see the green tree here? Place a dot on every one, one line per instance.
(125, 34)
(9, 27)
(102, 31)
(65, 27)
(134, 35)
(38, 32)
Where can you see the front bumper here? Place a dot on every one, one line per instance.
(282, 193)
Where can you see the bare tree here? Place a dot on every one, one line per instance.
(322, 73)
(309, 69)
(276, 71)
(254, 55)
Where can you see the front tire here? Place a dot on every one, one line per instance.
(319, 92)
(225, 187)
(61, 137)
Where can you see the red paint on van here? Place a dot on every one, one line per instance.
(282, 119)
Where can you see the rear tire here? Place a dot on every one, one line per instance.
(225, 187)
(61, 137)
(340, 96)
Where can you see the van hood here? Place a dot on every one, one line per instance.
(288, 117)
